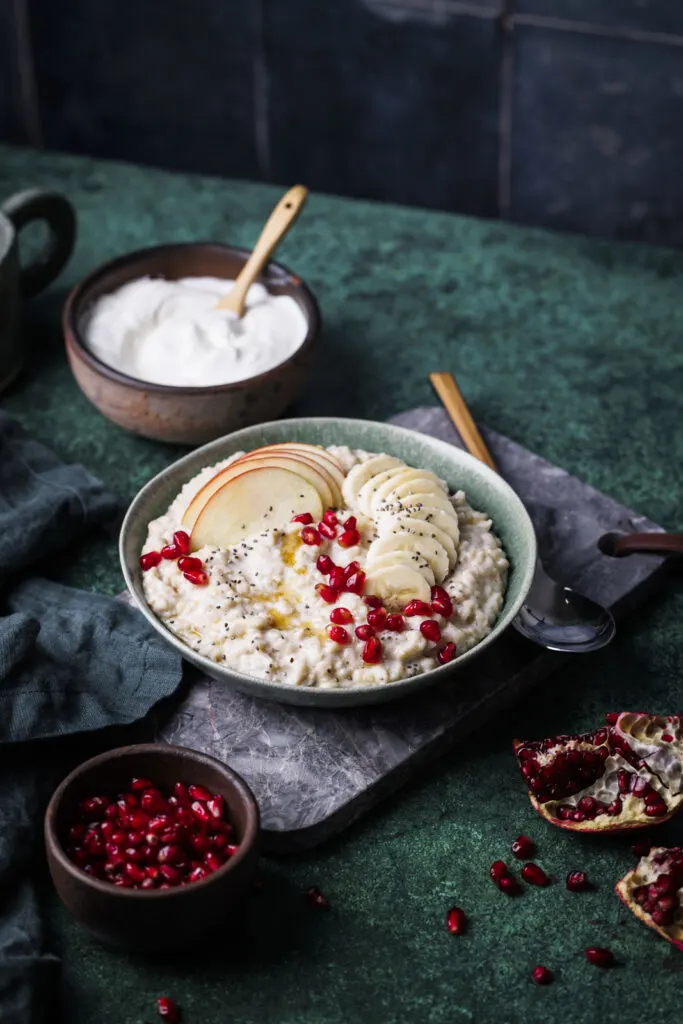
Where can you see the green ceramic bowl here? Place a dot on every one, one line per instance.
(485, 491)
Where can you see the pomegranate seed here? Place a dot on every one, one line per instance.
(186, 564)
(446, 654)
(656, 810)
(134, 872)
(372, 651)
(509, 884)
(305, 518)
(324, 564)
(170, 552)
(456, 921)
(612, 717)
(112, 812)
(76, 833)
(349, 538)
(153, 802)
(183, 816)
(577, 881)
(498, 869)
(216, 806)
(158, 823)
(200, 811)
(198, 579)
(441, 602)
(599, 957)
(372, 602)
(150, 560)
(351, 523)
(534, 875)
(199, 793)
(135, 838)
(666, 884)
(364, 632)
(417, 608)
(337, 578)
(231, 849)
(339, 635)
(182, 542)
(94, 806)
(355, 583)
(328, 594)
(395, 623)
(140, 785)
(200, 844)
(198, 873)
(330, 518)
(168, 1010)
(541, 975)
(317, 898)
(341, 616)
(431, 630)
(523, 847)
(219, 840)
(181, 794)
(326, 531)
(310, 535)
(213, 861)
(667, 737)
(170, 874)
(377, 618)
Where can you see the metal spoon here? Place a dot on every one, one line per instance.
(553, 616)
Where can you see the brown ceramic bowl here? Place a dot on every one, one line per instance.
(186, 415)
(157, 919)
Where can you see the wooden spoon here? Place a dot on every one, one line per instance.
(275, 229)
(448, 391)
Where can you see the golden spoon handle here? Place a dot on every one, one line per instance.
(448, 391)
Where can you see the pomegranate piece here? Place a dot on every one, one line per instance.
(372, 601)
(498, 869)
(446, 653)
(339, 635)
(456, 921)
(168, 1010)
(351, 523)
(577, 881)
(621, 776)
(316, 898)
(523, 847)
(200, 811)
(534, 875)
(542, 975)
(377, 618)
(170, 552)
(324, 565)
(327, 531)
(186, 564)
(395, 623)
(341, 616)
(199, 793)
(152, 802)
(305, 518)
(372, 651)
(364, 632)
(431, 630)
(349, 538)
(599, 956)
(355, 583)
(182, 542)
(328, 594)
(150, 560)
(417, 608)
(330, 518)
(441, 602)
(216, 806)
(140, 785)
(310, 535)
(199, 579)
(653, 891)
(510, 885)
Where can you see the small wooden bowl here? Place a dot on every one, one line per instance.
(185, 415)
(158, 919)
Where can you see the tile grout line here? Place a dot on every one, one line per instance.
(261, 86)
(26, 74)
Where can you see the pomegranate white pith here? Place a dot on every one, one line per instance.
(653, 890)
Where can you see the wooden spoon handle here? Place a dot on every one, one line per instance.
(274, 230)
(645, 544)
(448, 391)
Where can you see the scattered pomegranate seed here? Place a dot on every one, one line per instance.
(395, 623)
(456, 921)
(364, 632)
(310, 535)
(327, 531)
(182, 542)
(341, 616)
(317, 898)
(534, 875)
(324, 564)
(170, 552)
(498, 869)
(337, 578)
(305, 518)
(417, 608)
(377, 618)
(339, 635)
(441, 602)
(186, 564)
(509, 885)
(330, 518)
(168, 1010)
(355, 584)
(349, 538)
(372, 651)
(431, 630)
(599, 957)
(351, 523)
(372, 602)
(446, 654)
(523, 847)
(328, 594)
(199, 579)
(150, 560)
(577, 881)
(542, 975)
(350, 568)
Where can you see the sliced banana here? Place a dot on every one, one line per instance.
(360, 474)
(398, 584)
(382, 489)
(409, 558)
(427, 547)
(446, 521)
(430, 499)
(369, 491)
(417, 485)
(422, 528)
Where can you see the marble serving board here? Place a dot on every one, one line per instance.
(315, 771)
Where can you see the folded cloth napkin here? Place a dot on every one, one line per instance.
(70, 662)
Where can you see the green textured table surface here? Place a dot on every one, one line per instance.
(573, 348)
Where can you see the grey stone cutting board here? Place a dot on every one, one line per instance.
(315, 771)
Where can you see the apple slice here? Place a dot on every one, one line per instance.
(302, 469)
(330, 492)
(257, 499)
(315, 454)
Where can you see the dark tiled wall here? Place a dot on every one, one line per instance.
(566, 113)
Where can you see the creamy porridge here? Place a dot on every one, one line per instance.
(259, 575)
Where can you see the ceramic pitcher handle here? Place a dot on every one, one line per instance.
(642, 544)
(60, 217)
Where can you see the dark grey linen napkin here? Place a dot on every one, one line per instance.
(70, 662)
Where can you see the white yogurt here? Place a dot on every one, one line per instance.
(169, 332)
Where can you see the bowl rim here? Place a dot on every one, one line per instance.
(78, 294)
(397, 688)
(251, 832)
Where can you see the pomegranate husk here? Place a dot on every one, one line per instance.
(642, 875)
(632, 745)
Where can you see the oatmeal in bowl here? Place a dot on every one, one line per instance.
(328, 568)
